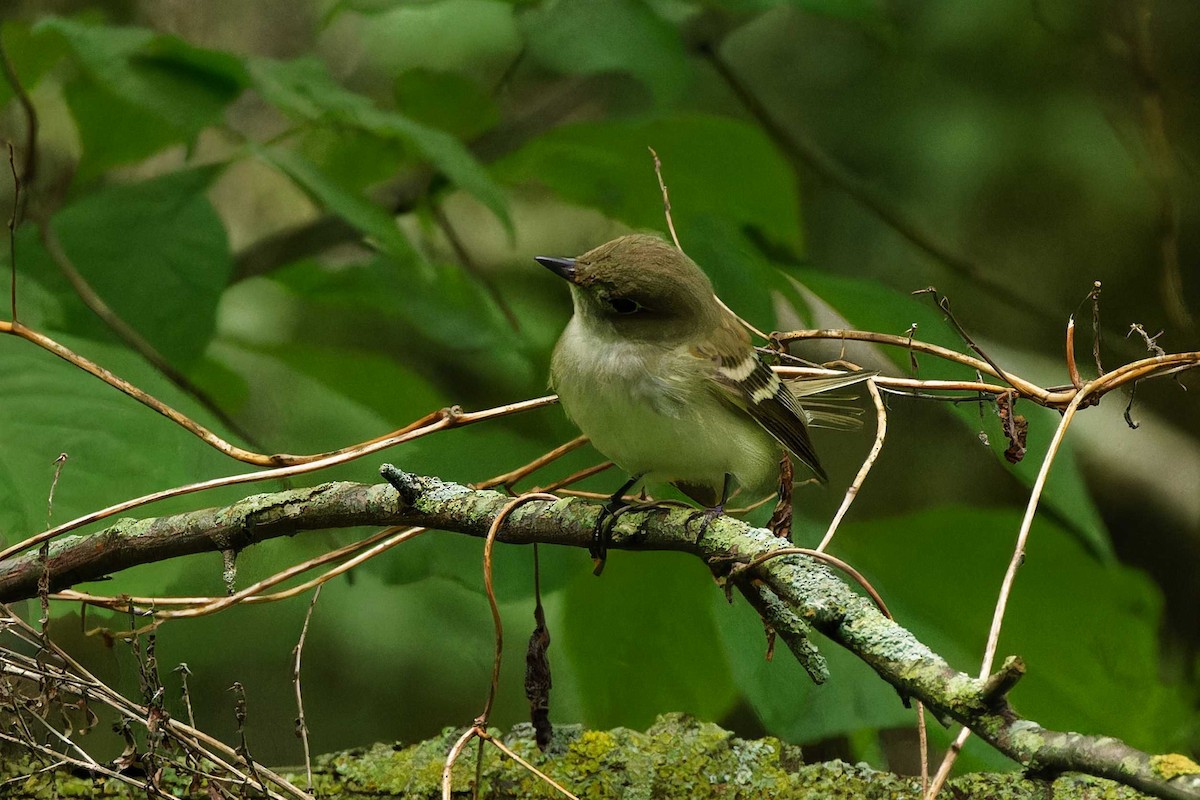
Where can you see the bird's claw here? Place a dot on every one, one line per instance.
(610, 513)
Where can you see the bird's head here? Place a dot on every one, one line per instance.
(640, 287)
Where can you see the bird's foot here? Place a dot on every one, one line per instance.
(610, 513)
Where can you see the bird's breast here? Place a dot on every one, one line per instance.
(650, 409)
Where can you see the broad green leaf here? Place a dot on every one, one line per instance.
(117, 448)
(296, 412)
(157, 253)
(475, 38)
(606, 165)
(447, 101)
(364, 215)
(183, 86)
(303, 89)
(445, 303)
(382, 384)
(741, 276)
(868, 305)
(112, 130)
(582, 37)
(31, 56)
(1088, 631)
(642, 641)
(870, 11)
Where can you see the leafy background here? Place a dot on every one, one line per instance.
(322, 212)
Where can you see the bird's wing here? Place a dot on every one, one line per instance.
(744, 381)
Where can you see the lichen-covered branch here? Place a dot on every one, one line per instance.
(805, 588)
(677, 758)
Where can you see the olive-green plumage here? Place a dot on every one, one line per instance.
(665, 381)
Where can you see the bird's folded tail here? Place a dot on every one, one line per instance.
(823, 405)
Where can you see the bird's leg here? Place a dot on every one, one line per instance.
(780, 523)
(709, 514)
(602, 532)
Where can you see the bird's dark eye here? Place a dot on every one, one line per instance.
(623, 305)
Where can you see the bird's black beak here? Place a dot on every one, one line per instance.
(562, 267)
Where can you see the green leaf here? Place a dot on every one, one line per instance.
(872, 11)
(112, 131)
(741, 276)
(642, 641)
(606, 165)
(295, 411)
(303, 89)
(117, 448)
(1066, 494)
(1088, 631)
(183, 86)
(583, 37)
(364, 215)
(397, 394)
(445, 302)
(31, 56)
(157, 253)
(447, 101)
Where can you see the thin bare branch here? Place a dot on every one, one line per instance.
(865, 469)
(301, 723)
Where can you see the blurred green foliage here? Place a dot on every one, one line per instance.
(323, 214)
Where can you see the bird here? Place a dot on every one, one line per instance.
(666, 383)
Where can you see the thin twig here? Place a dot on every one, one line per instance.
(907, 342)
(188, 736)
(12, 233)
(666, 198)
(503, 748)
(576, 477)
(213, 440)
(246, 595)
(1010, 575)
(1072, 367)
(865, 469)
(1095, 297)
(943, 303)
(802, 149)
(29, 166)
(490, 588)
(464, 258)
(451, 757)
(509, 478)
(59, 463)
(432, 423)
(301, 724)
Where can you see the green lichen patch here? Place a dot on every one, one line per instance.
(1172, 765)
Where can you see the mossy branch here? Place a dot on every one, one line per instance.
(807, 590)
(678, 757)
